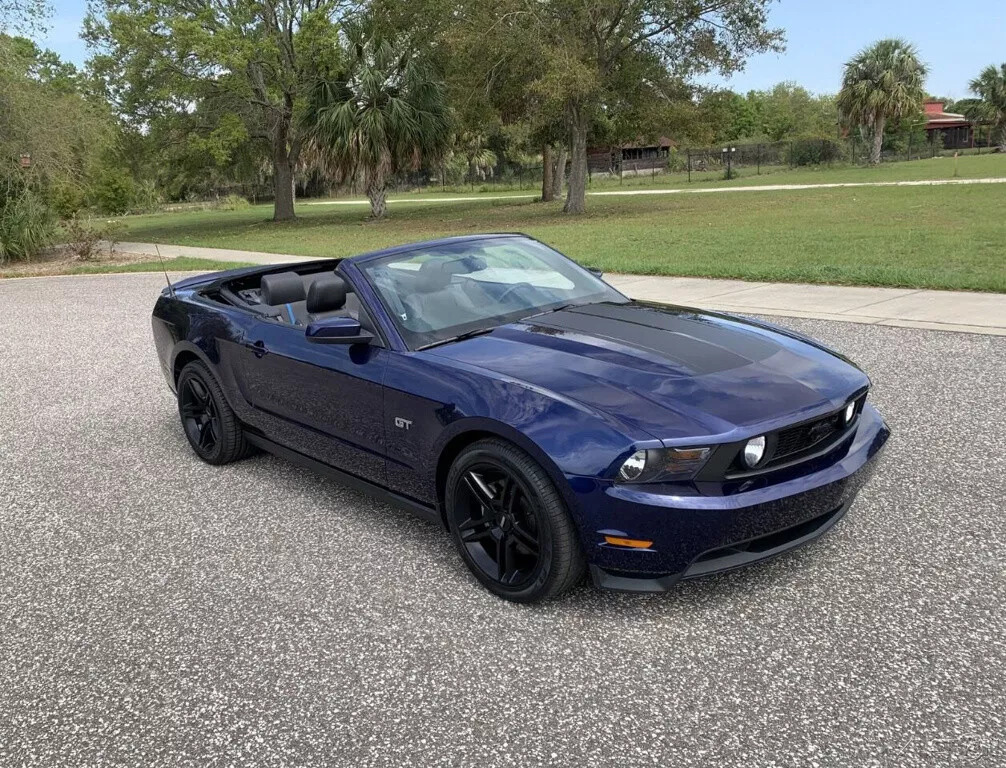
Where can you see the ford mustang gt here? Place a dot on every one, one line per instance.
(550, 424)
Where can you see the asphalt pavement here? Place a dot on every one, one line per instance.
(157, 611)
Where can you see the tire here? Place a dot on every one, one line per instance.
(497, 500)
(208, 422)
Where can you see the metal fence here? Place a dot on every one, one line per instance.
(691, 164)
(731, 159)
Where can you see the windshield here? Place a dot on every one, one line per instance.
(438, 293)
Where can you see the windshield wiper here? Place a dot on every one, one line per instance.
(459, 337)
(555, 309)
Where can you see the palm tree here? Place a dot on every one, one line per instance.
(990, 86)
(882, 82)
(388, 112)
(473, 145)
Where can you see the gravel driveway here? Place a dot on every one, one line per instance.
(157, 611)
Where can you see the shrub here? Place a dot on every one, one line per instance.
(66, 200)
(84, 236)
(27, 223)
(146, 198)
(114, 192)
(233, 203)
(815, 152)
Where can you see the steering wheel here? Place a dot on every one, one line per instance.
(507, 291)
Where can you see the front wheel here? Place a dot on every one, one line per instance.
(510, 524)
(210, 425)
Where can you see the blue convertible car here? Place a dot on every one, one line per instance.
(550, 424)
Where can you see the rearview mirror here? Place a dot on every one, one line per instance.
(337, 330)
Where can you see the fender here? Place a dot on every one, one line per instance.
(480, 425)
(187, 347)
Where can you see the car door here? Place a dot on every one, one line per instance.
(323, 400)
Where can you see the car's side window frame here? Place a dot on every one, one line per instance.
(389, 336)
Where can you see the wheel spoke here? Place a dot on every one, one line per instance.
(198, 391)
(469, 529)
(525, 540)
(479, 489)
(503, 557)
(190, 411)
(203, 436)
(508, 494)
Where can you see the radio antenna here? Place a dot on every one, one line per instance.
(160, 258)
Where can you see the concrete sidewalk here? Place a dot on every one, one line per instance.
(901, 307)
(673, 191)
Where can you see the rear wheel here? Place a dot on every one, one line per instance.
(510, 524)
(210, 425)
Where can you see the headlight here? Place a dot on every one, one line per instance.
(663, 465)
(754, 451)
(633, 467)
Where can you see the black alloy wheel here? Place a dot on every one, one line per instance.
(210, 425)
(199, 416)
(497, 524)
(510, 524)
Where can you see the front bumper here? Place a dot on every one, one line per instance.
(709, 532)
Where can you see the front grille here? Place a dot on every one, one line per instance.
(786, 446)
(804, 437)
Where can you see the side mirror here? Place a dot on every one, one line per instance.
(337, 330)
(595, 271)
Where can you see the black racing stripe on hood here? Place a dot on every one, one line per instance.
(691, 322)
(698, 344)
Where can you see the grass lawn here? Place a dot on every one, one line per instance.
(922, 237)
(173, 265)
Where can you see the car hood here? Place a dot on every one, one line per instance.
(675, 373)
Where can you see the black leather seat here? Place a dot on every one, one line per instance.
(284, 292)
(326, 295)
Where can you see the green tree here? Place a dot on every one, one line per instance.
(990, 87)
(52, 140)
(388, 112)
(29, 16)
(605, 49)
(158, 57)
(724, 116)
(789, 111)
(883, 82)
(605, 69)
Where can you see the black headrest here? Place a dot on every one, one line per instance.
(433, 276)
(326, 294)
(282, 288)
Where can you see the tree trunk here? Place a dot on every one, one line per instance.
(282, 174)
(878, 140)
(546, 174)
(559, 173)
(378, 201)
(576, 193)
(1002, 137)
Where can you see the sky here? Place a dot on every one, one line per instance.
(956, 40)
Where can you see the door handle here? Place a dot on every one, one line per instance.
(258, 348)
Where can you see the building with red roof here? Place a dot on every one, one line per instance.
(957, 131)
